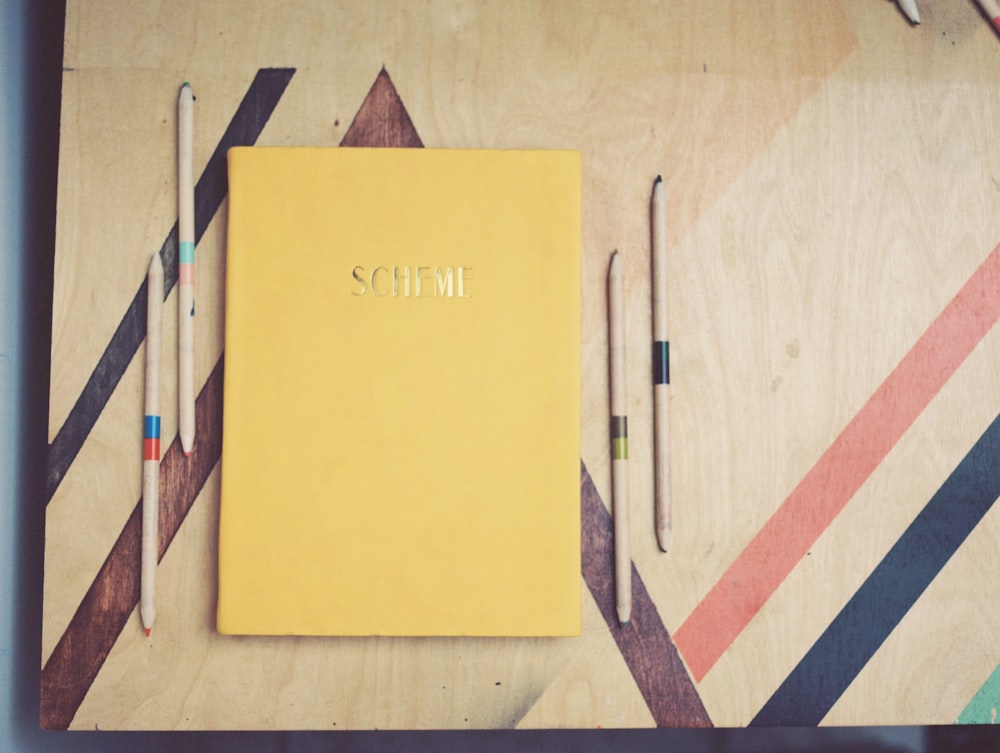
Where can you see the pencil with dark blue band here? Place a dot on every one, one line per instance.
(661, 367)
(619, 439)
(150, 546)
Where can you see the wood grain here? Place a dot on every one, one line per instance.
(111, 600)
(105, 610)
(245, 127)
(832, 179)
(644, 642)
(382, 119)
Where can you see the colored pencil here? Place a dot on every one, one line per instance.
(151, 444)
(661, 366)
(909, 7)
(185, 268)
(992, 10)
(619, 439)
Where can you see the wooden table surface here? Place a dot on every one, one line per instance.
(833, 181)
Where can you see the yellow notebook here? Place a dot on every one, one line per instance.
(401, 446)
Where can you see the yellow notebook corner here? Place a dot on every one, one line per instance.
(402, 393)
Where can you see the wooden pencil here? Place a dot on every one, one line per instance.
(661, 367)
(992, 10)
(185, 268)
(909, 8)
(619, 439)
(151, 444)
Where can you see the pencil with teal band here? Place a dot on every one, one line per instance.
(185, 268)
(150, 542)
(661, 367)
(619, 439)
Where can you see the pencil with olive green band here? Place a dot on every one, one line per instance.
(619, 439)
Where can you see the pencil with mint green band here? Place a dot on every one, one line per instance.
(185, 268)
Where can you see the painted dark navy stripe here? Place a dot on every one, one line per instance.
(661, 362)
(244, 128)
(815, 685)
(114, 593)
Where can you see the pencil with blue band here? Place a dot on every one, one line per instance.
(185, 268)
(661, 366)
(619, 439)
(150, 543)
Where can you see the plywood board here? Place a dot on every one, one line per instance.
(832, 181)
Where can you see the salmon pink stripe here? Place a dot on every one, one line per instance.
(824, 491)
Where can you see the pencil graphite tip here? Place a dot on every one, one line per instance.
(658, 190)
(148, 631)
(659, 179)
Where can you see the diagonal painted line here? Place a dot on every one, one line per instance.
(105, 609)
(644, 642)
(78, 657)
(112, 597)
(984, 708)
(244, 128)
(854, 636)
(824, 491)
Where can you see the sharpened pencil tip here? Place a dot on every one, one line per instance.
(663, 539)
(148, 631)
(659, 179)
(614, 266)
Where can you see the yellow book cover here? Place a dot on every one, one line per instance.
(401, 431)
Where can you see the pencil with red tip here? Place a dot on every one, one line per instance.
(992, 10)
(151, 445)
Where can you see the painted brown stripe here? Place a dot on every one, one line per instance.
(112, 597)
(382, 119)
(644, 642)
(68, 674)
